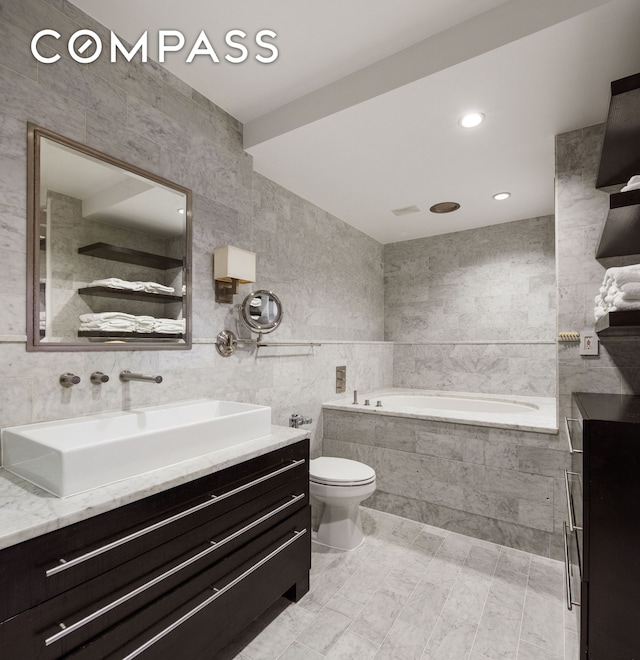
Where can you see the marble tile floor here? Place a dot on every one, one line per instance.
(415, 592)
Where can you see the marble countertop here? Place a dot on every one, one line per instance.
(28, 511)
(541, 418)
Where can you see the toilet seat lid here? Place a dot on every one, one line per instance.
(340, 471)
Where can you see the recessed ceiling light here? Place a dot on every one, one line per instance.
(501, 196)
(445, 207)
(471, 120)
(181, 211)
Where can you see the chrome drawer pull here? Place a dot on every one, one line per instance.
(217, 593)
(571, 448)
(64, 564)
(567, 575)
(572, 523)
(67, 630)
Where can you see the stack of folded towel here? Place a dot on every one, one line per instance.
(122, 322)
(620, 291)
(148, 287)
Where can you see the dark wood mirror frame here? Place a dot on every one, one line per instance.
(34, 136)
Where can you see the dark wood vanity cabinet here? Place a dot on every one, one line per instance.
(604, 500)
(175, 575)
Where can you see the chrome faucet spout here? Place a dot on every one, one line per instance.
(126, 376)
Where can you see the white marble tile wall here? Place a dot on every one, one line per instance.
(486, 284)
(494, 286)
(581, 211)
(328, 275)
(518, 368)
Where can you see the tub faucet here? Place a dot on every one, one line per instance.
(296, 421)
(355, 397)
(126, 376)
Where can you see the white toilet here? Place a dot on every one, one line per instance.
(340, 484)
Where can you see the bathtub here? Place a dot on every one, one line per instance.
(523, 413)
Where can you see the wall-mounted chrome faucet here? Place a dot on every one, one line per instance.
(126, 376)
(97, 378)
(69, 379)
(296, 421)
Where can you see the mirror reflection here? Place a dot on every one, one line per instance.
(261, 311)
(110, 254)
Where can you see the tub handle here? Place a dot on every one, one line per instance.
(213, 499)
(572, 449)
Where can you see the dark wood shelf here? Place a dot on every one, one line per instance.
(620, 158)
(129, 256)
(125, 294)
(129, 335)
(621, 232)
(619, 324)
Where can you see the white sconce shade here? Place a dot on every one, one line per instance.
(232, 265)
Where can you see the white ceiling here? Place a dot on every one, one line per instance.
(359, 113)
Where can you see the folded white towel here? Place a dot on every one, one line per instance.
(104, 316)
(621, 275)
(631, 290)
(125, 285)
(621, 304)
(632, 184)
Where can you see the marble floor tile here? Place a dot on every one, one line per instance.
(352, 646)
(403, 642)
(452, 637)
(498, 633)
(542, 623)
(415, 592)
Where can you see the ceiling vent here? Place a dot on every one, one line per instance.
(406, 210)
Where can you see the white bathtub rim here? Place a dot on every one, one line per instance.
(542, 420)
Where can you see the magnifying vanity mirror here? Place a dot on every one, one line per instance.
(261, 311)
(109, 252)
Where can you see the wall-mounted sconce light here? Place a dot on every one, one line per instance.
(232, 266)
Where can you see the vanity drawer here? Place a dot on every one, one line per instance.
(200, 616)
(33, 572)
(89, 609)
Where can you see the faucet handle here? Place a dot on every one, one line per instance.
(97, 378)
(296, 421)
(68, 379)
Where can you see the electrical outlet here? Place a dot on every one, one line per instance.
(589, 343)
(341, 379)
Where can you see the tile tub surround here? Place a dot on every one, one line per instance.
(149, 118)
(541, 417)
(501, 485)
(492, 283)
(28, 511)
(525, 368)
(414, 592)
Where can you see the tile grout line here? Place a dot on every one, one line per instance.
(526, 591)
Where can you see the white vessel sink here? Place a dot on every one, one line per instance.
(67, 457)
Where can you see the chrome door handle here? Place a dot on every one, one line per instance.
(572, 523)
(67, 630)
(567, 574)
(217, 593)
(572, 450)
(65, 565)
